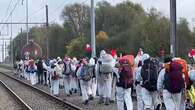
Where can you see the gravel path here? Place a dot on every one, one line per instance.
(34, 99)
(7, 102)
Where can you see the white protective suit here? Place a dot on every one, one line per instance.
(104, 80)
(172, 101)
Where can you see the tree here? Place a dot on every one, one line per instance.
(77, 17)
(76, 48)
(184, 38)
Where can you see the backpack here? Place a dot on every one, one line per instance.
(126, 74)
(173, 79)
(67, 69)
(185, 70)
(105, 65)
(149, 74)
(86, 72)
(55, 76)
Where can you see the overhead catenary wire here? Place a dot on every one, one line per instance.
(58, 7)
(62, 4)
(7, 9)
(16, 4)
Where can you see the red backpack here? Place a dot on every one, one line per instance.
(126, 74)
(173, 79)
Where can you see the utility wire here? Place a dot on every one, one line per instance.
(62, 4)
(11, 12)
(7, 9)
(55, 10)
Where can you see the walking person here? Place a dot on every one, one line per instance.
(104, 76)
(45, 68)
(74, 80)
(93, 63)
(138, 83)
(84, 74)
(32, 69)
(67, 76)
(56, 75)
(149, 76)
(171, 84)
(124, 85)
(40, 71)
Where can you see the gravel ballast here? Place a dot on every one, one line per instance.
(34, 99)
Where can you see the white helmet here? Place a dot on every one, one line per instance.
(145, 57)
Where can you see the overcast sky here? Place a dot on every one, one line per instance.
(185, 8)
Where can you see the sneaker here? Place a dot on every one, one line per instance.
(86, 102)
(91, 97)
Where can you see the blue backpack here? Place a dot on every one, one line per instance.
(86, 72)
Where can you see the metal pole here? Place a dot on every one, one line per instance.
(3, 50)
(173, 25)
(2, 53)
(93, 42)
(11, 45)
(21, 41)
(47, 27)
(27, 35)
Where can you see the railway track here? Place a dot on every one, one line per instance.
(9, 100)
(36, 98)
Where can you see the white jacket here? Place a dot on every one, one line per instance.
(160, 80)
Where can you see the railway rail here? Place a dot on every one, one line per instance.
(36, 98)
(11, 101)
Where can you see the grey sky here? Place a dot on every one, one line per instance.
(185, 8)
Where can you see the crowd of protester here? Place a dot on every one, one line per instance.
(158, 83)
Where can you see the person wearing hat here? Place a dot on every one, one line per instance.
(56, 75)
(104, 73)
(149, 76)
(74, 80)
(67, 76)
(92, 63)
(84, 75)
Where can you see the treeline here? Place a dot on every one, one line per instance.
(125, 27)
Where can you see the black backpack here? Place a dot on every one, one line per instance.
(149, 74)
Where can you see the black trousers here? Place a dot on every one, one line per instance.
(40, 77)
(45, 77)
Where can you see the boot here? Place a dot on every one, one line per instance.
(101, 100)
(91, 97)
(107, 101)
(86, 102)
